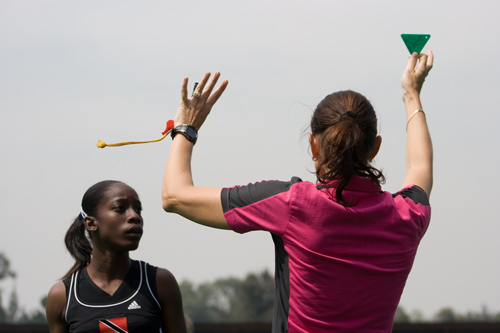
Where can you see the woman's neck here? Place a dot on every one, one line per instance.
(109, 266)
(108, 272)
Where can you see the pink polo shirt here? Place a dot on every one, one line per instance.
(338, 269)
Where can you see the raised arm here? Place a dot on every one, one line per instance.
(418, 140)
(179, 195)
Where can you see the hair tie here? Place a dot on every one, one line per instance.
(351, 115)
(170, 125)
(82, 214)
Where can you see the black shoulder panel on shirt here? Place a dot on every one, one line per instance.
(241, 196)
(415, 193)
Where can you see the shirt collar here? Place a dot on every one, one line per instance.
(357, 184)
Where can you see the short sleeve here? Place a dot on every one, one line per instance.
(416, 194)
(414, 206)
(258, 206)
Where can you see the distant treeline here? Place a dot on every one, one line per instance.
(12, 313)
(250, 299)
(226, 300)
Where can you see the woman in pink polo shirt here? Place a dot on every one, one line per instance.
(344, 248)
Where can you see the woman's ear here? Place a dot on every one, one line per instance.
(90, 223)
(376, 147)
(313, 142)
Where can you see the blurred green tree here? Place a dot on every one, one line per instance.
(6, 272)
(446, 315)
(230, 299)
(401, 316)
(13, 313)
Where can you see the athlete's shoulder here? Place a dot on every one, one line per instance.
(165, 276)
(57, 291)
(56, 305)
(415, 193)
(167, 286)
(240, 196)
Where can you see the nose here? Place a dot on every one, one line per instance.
(133, 216)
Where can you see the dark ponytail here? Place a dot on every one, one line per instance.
(345, 125)
(76, 240)
(78, 246)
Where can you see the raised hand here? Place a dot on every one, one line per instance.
(414, 74)
(195, 109)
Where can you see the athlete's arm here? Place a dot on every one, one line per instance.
(170, 299)
(418, 141)
(55, 308)
(179, 195)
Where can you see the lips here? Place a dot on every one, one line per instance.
(135, 231)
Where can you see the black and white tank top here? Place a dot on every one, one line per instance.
(133, 308)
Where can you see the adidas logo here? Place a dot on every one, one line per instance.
(134, 306)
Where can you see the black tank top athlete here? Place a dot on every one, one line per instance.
(133, 308)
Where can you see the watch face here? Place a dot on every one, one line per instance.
(192, 132)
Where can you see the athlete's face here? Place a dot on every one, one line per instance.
(118, 222)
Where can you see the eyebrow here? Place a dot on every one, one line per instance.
(124, 199)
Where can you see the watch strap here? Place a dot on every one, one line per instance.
(189, 132)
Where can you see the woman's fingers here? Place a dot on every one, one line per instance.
(184, 94)
(425, 63)
(193, 110)
(412, 62)
(422, 65)
(211, 84)
(199, 88)
(217, 93)
(430, 60)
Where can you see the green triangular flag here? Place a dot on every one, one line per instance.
(415, 42)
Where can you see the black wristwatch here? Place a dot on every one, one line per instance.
(187, 130)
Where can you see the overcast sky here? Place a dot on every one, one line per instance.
(73, 72)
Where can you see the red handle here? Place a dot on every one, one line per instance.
(170, 125)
